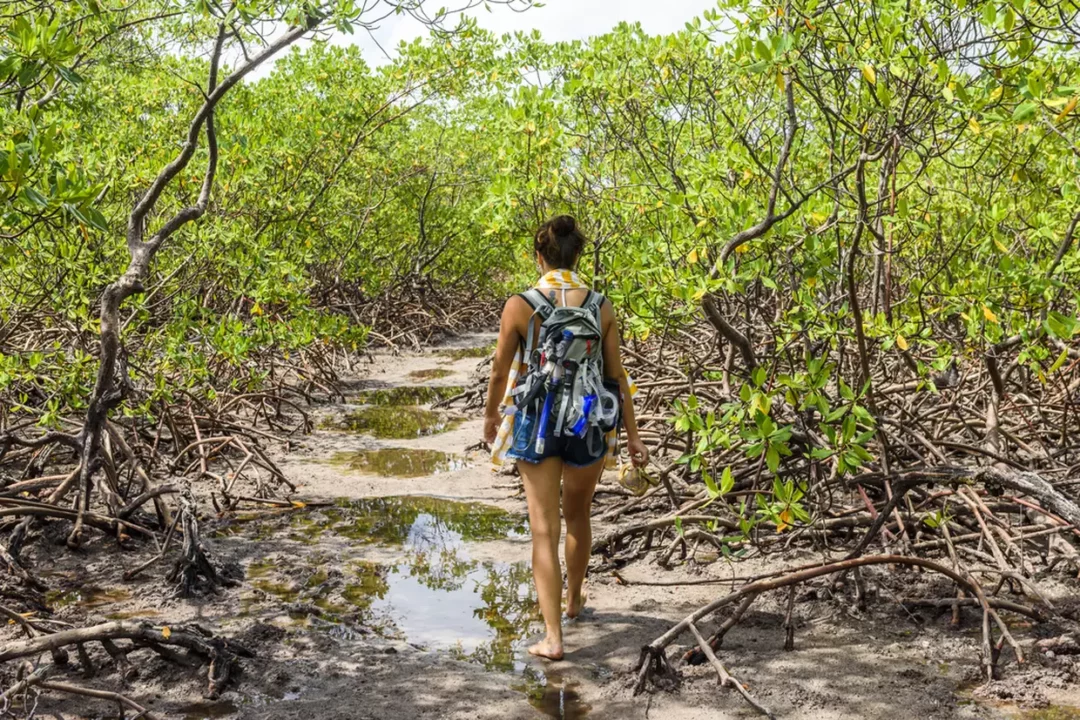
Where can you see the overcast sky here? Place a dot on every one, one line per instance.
(557, 20)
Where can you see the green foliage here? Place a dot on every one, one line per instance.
(932, 177)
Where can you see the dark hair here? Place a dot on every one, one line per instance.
(560, 242)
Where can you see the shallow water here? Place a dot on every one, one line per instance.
(467, 352)
(408, 395)
(436, 595)
(1054, 712)
(552, 694)
(207, 710)
(391, 421)
(400, 462)
(86, 597)
(430, 374)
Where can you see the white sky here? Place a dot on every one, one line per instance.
(557, 20)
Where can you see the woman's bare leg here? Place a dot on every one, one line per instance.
(542, 494)
(579, 484)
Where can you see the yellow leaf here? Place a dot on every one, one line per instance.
(780, 80)
(1001, 246)
(996, 93)
(989, 314)
(965, 316)
(1067, 109)
(166, 632)
(901, 342)
(785, 521)
(811, 282)
(699, 294)
(701, 223)
(299, 504)
(869, 74)
(742, 248)
(256, 309)
(974, 125)
(644, 335)
(659, 203)
(692, 257)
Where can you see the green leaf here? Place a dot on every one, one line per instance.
(35, 198)
(727, 481)
(772, 459)
(710, 484)
(1059, 362)
(1025, 112)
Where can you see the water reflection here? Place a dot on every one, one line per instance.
(467, 352)
(435, 595)
(400, 462)
(392, 421)
(408, 395)
(552, 694)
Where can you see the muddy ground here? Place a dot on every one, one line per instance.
(403, 590)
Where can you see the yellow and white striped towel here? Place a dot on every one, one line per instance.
(554, 280)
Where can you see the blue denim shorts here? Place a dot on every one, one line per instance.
(573, 450)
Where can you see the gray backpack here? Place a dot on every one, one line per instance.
(565, 378)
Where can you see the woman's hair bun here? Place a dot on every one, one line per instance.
(559, 242)
(563, 225)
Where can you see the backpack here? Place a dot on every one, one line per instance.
(565, 377)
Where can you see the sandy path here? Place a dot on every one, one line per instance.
(845, 670)
(847, 664)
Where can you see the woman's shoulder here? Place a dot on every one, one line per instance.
(517, 304)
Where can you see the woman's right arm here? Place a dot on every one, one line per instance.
(613, 368)
(505, 348)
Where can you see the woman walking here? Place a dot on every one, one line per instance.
(548, 455)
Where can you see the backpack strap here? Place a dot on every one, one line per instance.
(541, 307)
(594, 301)
(537, 301)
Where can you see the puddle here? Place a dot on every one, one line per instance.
(205, 710)
(394, 520)
(431, 374)
(87, 597)
(434, 595)
(552, 695)
(1054, 712)
(387, 421)
(408, 395)
(400, 462)
(467, 352)
(133, 614)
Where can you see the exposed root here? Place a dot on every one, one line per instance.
(648, 664)
(193, 572)
(219, 653)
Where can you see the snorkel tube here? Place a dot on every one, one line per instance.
(556, 379)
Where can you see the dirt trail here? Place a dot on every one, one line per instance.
(423, 603)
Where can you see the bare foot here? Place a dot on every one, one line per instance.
(547, 648)
(574, 606)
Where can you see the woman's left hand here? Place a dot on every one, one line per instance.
(639, 452)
